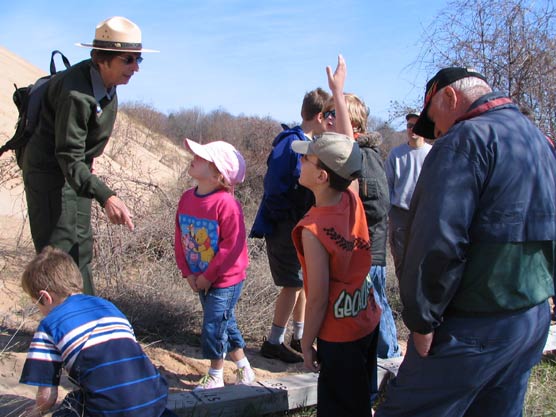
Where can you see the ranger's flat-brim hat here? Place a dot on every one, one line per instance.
(117, 34)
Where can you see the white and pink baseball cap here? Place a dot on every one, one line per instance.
(224, 155)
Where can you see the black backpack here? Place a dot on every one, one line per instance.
(28, 102)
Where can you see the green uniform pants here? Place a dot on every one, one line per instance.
(60, 218)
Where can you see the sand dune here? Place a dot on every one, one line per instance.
(133, 151)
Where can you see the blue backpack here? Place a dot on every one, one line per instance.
(28, 102)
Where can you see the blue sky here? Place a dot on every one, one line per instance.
(256, 58)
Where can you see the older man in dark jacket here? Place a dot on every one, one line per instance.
(480, 255)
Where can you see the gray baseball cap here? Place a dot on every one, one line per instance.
(338, 152)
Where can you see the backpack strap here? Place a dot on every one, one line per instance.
(28, 101)
(53, 64)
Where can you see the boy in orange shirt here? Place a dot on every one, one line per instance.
(333, 247)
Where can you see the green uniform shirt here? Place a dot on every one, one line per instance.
(74, 128)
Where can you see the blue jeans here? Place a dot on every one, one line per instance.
(477, 366)
(220, 333)
(387, 336)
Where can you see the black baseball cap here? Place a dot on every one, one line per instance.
(425, 126)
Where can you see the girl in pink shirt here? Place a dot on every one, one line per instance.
(211, 252)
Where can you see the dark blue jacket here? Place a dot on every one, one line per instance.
(283, 199)
(491, 179)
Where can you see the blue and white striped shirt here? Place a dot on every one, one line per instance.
(94, 342)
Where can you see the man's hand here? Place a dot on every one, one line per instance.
(117, 212)
(422, 343)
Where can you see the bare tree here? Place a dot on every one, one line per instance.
(512, 42)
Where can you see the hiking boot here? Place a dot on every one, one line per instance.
(295, 344)
(244, 376)
(209, 382)
(281, 351)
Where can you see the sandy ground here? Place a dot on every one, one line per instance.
(132, 149)
(181, 365)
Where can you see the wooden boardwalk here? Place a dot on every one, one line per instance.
(275, 395)
(270, 396)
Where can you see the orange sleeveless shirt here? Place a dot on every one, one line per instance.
(342, 229)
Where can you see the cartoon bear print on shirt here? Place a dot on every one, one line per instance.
(199, 241)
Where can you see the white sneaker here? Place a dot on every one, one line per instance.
(209, 382)
(245, 376)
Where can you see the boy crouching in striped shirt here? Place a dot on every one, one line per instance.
(93, 341)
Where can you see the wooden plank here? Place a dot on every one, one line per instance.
(275, 395)
(232, 400)
(270, 396)
(551, 340)
(390, 365)
(301, 389)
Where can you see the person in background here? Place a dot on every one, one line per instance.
(403, 166)
(211, 252)
(284, 202)
(479, 258)
(76, 120)
(373, 192)
(92, 341)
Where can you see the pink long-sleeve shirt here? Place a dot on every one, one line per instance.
(210, 237)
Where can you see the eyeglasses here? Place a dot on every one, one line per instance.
(410, 125)
(130, 59)
(329, 113)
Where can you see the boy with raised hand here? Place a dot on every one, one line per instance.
(374, 193)
(93, 341)
(333, 246)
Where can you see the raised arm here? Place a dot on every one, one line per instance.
(336, 82)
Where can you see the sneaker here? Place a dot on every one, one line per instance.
(295, 344)
(245, 376)
(209, 382)
(281, 351)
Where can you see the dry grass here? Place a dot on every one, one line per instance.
(137, 272)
